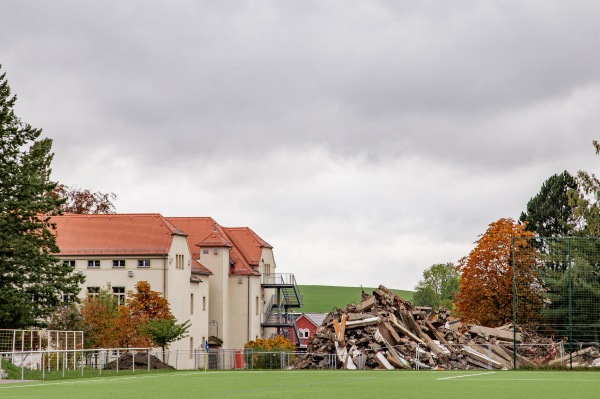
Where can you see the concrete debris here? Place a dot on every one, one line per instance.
(386, 332)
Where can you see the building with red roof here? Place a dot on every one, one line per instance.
(222, 279)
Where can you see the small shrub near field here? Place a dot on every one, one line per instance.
(267, 351)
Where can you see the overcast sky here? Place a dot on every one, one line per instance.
(364, 140)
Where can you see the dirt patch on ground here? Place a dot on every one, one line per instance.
(141, 361)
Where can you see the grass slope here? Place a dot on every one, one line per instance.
(319, 384)
(324, 298)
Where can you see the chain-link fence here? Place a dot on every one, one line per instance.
(556, 291)
(60, 364)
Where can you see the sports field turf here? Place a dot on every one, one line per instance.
(319, 384)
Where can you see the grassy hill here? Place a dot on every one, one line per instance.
(324, 298)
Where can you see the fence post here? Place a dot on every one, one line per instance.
(570, 294)
(148, 351)
(133, 361)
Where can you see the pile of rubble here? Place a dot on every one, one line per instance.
(126, 362)
(386, 332)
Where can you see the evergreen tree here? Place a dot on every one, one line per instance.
(32, 280)
(549, 213)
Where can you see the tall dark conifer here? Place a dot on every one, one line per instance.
(32, 280)
(549, 213)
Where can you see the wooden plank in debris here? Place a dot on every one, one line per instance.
(439, 336)
(567, 357)
(383, 332)
(394, 335)
(342, 331)
(336, 327)
(411, 324)
(473, 354)
(366, 304)
(362, 323)
(498, 350)
(389, 292)
(487, 351)
(405, 330)
(398, 359)
(383, 362)
(521, 361)
(435, 348)
(358, 316)
(494, 332)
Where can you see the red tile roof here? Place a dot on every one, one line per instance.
(151, 234)
(115, 234)
(248, 242)
(246, 246)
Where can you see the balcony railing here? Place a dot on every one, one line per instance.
(278, 279)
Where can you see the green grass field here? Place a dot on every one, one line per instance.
(324, 298)
(319, 384)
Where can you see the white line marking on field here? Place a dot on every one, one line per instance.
(465, 375)
(113, 378)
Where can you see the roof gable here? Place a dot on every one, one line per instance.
(248, 243)
(205, 232)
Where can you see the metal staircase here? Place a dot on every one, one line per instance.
(287, 296)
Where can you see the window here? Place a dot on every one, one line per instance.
(67, 298)
(144, 263)
(191, 347)
(205, 251)
(119, 292)
(93, 291)
(191, 303)
(203, 303)
(70, 263)
(179, 261)
(306, 333)
(119, 263)
(93, 264)
(257, 306)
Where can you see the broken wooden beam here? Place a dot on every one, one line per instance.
(569, 356)
(383, 362)
(494, 332)
(362, 323)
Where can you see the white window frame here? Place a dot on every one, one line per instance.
(93, 264)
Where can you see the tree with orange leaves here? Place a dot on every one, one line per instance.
(141, 307)
(146, 304)
(486, 286)
(108, 325)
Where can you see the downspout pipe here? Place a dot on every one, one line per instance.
(165, 276)
(248, 281)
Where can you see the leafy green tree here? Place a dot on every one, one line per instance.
(437, 288)
(66, 317)
(32, 279)
(550, 213)
(164, 331)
